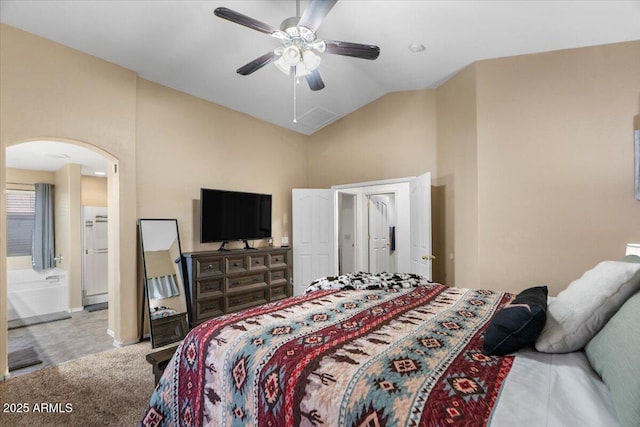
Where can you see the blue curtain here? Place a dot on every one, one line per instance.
(43, 244)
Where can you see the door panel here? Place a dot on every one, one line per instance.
(420, 201)
(314, 237)
(379, 212)
(347, 232)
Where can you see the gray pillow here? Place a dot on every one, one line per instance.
(631, 258)
(614, 353)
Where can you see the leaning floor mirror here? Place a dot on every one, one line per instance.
(163, 281)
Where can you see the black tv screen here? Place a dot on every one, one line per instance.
(233, 215)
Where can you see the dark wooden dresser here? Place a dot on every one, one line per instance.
(224, 282)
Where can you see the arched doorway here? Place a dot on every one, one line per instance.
(69, 164)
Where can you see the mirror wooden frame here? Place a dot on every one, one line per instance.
(169, 319)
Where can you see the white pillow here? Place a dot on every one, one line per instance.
(581, 310)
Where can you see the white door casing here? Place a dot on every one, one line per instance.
(314, 236)
(315, 233)
(379, 210)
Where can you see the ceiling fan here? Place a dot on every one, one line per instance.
(298, 53)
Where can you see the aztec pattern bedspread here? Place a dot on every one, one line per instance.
(375, 357)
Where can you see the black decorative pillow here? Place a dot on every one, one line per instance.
(517, 324)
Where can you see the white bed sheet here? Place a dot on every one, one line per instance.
(553, 390)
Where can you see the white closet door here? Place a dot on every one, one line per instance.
(314, 236)
(379, 212)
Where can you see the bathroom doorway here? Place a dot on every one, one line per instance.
(47, 308)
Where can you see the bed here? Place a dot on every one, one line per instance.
(397, 350)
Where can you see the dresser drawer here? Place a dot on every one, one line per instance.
(236, 283)
(206, 267)
(278, 277)
(209, 307)
(244, 300)
(236, 264)
(169, 329)
(209, 287)
(278, 260)
(258, 262)
(278, 292)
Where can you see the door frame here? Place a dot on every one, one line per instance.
(303, 262)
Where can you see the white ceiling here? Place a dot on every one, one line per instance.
(181, 44)
(52, 155)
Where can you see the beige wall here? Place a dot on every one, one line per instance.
(456, 181)
(94, 191)
(393, 137)
(555, 164)
(533, 166)
(185, 143)
(28, 177)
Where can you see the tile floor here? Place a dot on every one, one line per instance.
(56, 342)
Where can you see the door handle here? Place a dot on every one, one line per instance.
(428, 257)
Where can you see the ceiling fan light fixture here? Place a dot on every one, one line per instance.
(291, 55)
(293, 32)
(311, 60)
(300, 48)
(302, 70)
(306, 34)
(282, 65)
(319, 46)
(281, 35)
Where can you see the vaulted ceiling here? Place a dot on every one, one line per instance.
(181, 44)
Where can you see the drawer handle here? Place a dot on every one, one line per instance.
(210, 267)
(235, 264)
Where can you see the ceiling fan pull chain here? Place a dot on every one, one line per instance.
(295, 114)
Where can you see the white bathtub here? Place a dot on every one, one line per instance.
(32, 293)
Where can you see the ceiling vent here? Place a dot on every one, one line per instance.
(317, 118)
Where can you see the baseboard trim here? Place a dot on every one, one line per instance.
(124, 344)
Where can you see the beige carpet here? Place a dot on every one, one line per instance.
(110, 388)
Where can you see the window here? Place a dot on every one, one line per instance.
(20, 219)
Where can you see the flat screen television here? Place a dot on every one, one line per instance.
(233, 215)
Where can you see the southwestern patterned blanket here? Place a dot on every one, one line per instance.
(391, 356)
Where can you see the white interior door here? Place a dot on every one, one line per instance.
(379, 220)
(314, 236)
(420, 202)
(347, 232)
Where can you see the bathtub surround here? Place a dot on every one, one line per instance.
(32, 293)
